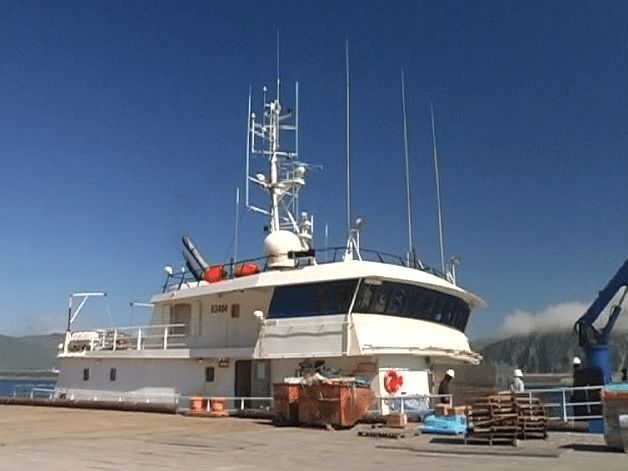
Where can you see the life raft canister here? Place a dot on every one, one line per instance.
(246, 269)
(392, 381)
(214, 273)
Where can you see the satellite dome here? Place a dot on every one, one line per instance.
(276, 247)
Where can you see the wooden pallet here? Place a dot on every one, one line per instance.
(506, 418)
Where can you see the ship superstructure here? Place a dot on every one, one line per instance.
(235, 329)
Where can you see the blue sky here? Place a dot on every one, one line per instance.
(122, 126)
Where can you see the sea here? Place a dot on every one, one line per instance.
(22, 386)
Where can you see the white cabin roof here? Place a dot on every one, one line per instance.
(321, 273)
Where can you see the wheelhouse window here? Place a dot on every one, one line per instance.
(312, 299)
(112, 374)
(85, 374)
(415, 302)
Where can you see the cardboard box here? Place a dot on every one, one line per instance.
(396, 419)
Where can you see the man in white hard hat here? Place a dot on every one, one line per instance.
(516, 385)
(445, 386)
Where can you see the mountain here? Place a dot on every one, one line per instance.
(547, 352)
(35, 352)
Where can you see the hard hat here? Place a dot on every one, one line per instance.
(518, 373)
(576, 361)
(451, 373)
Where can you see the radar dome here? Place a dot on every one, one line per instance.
(276, 247)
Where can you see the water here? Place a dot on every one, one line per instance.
(24, 385)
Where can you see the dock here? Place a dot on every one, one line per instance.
(61, 439)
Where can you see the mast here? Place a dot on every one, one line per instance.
(352, 249)
(438, 203)
(285, 174)
(411, 250)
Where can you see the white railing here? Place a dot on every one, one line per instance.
(563, 403)
(145, 337)
(419, 403)
(33, 392)
(146, 397)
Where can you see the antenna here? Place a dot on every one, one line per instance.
(411, 251)
(440, 212)
(237, 225)
(348, 135)
(278, 81)
(326, 240)
(249, 132)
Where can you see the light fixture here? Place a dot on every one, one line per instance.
(259, 314)
(168, 269)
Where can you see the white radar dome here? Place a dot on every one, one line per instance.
(276, 247)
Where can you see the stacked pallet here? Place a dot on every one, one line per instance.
(493, 418)
(532, 417)
(506, 418)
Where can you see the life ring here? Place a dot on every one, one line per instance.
(392, 381)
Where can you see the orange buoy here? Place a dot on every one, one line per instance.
(246, 269)
(214, 273)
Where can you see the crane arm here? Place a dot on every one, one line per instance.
(587, 333)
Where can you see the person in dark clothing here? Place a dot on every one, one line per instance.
(445, 386)
(624, 374)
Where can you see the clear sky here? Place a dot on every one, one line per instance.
(122, 126)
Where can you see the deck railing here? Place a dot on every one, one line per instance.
(176, 281)
(570, 404)
(146, 337)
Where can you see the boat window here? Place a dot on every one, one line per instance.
(181, 314)
(312, 299)
(112, 374)
(415, 302)
(85, 374)
(209, 374)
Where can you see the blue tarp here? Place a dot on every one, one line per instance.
(445, 425)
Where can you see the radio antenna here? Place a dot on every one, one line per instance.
(411, 250)
(438, 203)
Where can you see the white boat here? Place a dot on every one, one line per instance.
(236, 329)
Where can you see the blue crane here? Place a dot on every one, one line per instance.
(594, 341)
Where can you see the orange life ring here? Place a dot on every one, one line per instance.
(392, 381)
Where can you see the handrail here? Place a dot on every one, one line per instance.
(159, 336)
(428, 401)
(178, 280)
(566, 405)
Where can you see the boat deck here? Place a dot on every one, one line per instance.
(62, 439)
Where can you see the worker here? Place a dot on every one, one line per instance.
(444, 388)
(516, 385)
(624, 374)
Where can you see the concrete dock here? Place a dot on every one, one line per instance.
(74, 439)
